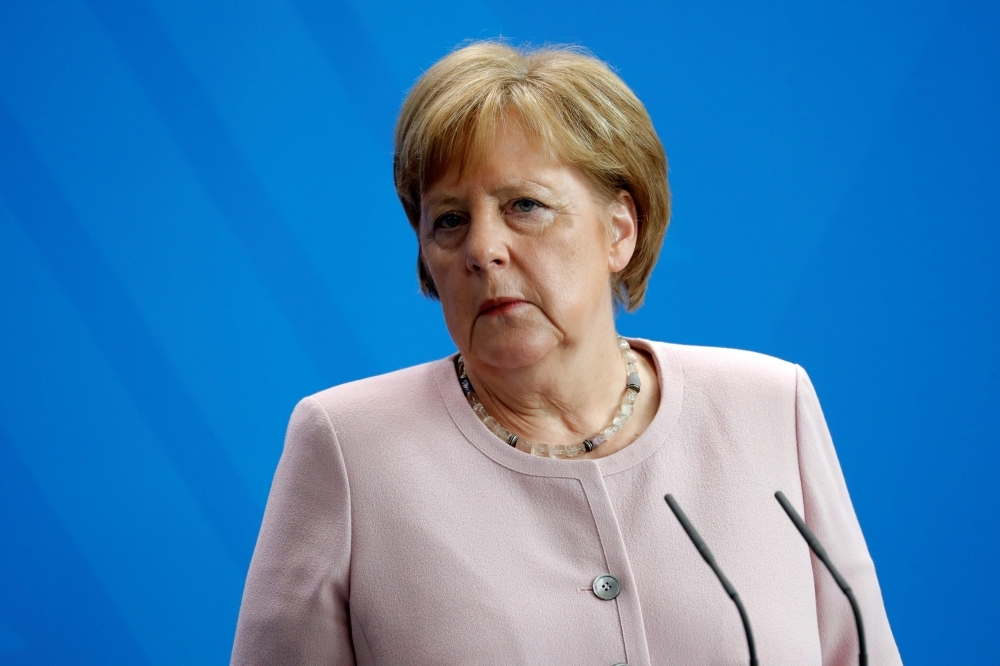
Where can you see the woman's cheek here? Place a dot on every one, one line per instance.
(458, 303)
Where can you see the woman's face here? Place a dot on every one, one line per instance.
(521, 250)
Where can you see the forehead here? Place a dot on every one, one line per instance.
(511, 155)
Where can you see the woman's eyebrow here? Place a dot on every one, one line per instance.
(519, 188)
(437, 202)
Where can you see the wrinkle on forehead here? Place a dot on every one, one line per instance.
(469, 147)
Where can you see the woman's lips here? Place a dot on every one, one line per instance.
(498, 306)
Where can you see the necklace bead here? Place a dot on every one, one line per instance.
(632, 386)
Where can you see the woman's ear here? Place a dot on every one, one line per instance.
(624, 231)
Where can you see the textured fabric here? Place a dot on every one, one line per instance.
(399, 530)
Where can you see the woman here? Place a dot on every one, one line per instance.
(504, 506)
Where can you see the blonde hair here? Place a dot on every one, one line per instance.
(571, 100)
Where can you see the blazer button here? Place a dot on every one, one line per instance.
(607, 587)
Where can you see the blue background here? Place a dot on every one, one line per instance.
(198, 227)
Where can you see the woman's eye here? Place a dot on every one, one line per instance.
(448, 221)
(525, 205)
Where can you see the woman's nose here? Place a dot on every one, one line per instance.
(486, 244)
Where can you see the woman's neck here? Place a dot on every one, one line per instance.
(570, 394)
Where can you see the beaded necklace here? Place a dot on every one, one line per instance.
(632, 386)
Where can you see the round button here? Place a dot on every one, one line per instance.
(607, 587)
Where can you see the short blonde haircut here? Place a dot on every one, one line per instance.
(571, 100)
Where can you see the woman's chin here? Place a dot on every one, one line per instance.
(511, 348)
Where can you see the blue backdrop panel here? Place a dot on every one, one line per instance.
(198, 227)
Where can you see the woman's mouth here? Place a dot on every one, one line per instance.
(499, 306)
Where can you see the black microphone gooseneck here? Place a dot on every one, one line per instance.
(817, 548)
(707, 555)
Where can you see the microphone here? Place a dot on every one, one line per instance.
(817, 548)
(708, 557)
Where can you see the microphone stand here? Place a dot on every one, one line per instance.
(699, 543)
(817, 548)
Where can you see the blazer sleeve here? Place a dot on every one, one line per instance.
(294, 609)
(830, 515)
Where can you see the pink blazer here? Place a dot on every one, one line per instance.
(399, 530)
